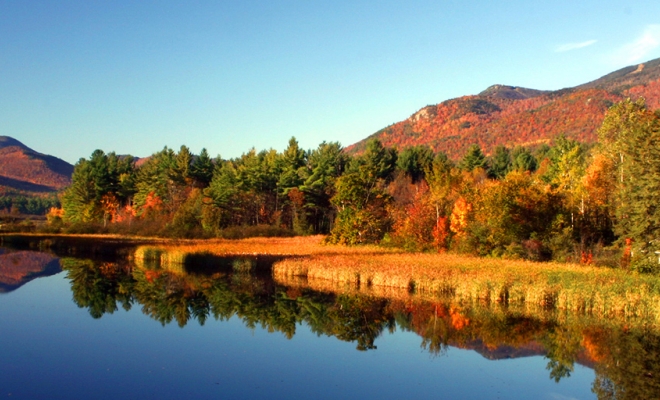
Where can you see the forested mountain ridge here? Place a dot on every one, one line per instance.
(26, 170)
(509, 115)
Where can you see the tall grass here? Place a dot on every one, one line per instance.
(576, 288)
(295, 246)
(570, 287)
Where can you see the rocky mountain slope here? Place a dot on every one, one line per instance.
(25, 170)
(509, 115)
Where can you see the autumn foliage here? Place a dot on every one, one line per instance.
(558, 198)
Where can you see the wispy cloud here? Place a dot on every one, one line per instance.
(574, 46)
(639, 48)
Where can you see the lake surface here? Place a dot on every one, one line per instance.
(96, 325)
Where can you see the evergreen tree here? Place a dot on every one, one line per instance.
(500, 163)
(377, 162)
(202, 168)
(79, 199)
(414, 160)
(523, 160)
(99, 186)
(473, 159)
(156, 177)
(257, 175)
(180, 173)
(225, 194)
(630, 135)
(292, 161)
(361, 198)
(326, 164)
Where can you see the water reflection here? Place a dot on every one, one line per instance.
(20, 267)
(625, 354)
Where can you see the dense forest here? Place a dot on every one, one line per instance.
(566, 200)
(17, 203)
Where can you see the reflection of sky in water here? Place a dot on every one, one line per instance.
(53, 349)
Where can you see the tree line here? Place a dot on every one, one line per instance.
(16, 204)
(565, 200)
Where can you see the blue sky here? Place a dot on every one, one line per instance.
(133, 77)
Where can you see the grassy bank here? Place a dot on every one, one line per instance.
(572, 287)
(577, 288)
(295, 246)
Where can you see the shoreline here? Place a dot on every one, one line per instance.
(550, 285)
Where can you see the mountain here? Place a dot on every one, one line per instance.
(511, 92)
(510, 115)
(25, 170)
(628, 77)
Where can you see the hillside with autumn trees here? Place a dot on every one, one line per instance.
(29, 180)
(510, 116)
(24, 169)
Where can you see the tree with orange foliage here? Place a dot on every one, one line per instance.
(599, 188)
(444, 182)
(458, 220)
(110, 205)
(415, 222)
(297, 199)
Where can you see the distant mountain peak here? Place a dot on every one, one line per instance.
(7, 141)
(624, 78)
(25, 170)
(511, 92)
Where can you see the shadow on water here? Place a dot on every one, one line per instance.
(63, 246)
(207, 265)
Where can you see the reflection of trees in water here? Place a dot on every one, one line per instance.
(165, 296)
(359, 319)
(99, 287)
(630, 367)
(563, 344)
(626, 359)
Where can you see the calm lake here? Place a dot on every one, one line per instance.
(81, 320)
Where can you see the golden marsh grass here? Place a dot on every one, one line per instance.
(572, 287)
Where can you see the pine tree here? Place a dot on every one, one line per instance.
(473, 159)
(292, 161)
(99, 186)
(202, 168)
(523, 160)
(630, 135)
(326, 164)
(500, 163)
(361, 198)
(414, 160)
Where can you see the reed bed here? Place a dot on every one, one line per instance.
(574, 288)
(295, 246)
(553, 286)
(478, 308)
